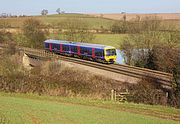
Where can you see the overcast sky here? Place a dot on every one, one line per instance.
(34, 7)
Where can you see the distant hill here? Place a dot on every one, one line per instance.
(130, 16)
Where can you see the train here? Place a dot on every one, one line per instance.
(94, 52)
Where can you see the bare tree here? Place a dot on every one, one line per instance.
(58, 11)
(44, 12)
(32, 30)
(76, 30)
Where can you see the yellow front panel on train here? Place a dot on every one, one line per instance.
(110, 54)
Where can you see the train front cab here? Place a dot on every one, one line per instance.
(110, 55)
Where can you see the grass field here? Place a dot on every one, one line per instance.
(109, 39)
(106, 39)
(93, 22)
(21, 108)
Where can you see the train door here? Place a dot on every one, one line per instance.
(78, 48)
(50, 47)
(93, 52)
(61, 49)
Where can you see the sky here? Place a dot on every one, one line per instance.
(34, 7)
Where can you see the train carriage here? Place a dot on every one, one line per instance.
(96, 52)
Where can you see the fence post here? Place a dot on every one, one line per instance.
(167, 94)
(112, 94)
(115, 95)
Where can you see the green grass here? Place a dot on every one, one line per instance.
(109, 39)
(93, 22)
(23, 108)
(106, 39)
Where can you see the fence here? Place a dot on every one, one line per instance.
(121, 96)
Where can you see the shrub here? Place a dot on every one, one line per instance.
(34, 32)
(146, 92)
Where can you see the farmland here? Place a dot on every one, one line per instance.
(54, 20)
(99, 25)
(21, 108)
(130, 16)
(95, 21)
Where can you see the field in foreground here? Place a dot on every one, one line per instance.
(21, 108)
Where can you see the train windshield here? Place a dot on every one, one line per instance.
(111, 52)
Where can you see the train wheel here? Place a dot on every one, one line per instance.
(91, 59)
(104, 62)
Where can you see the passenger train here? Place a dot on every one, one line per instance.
(94, 52)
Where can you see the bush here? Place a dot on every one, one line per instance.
(146, 92)
(34, 32)
(76, 30)
(5, 37)
(66, 81)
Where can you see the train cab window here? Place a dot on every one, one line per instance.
(111, 52)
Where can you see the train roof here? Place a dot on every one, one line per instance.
(78, 43)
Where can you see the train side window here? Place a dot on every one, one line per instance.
(52, 46)
(55, 46)
(74, 49)
(85, 50)
(89, 51)
(98, 53)
(58, 47)
(46, 45)
(82, 50)
(65, 48)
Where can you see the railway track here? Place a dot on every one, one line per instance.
(161, 78)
